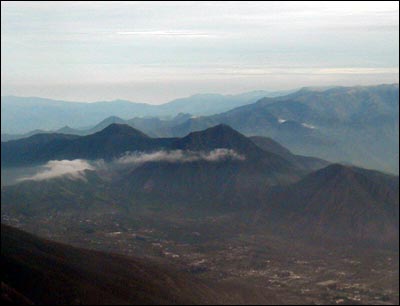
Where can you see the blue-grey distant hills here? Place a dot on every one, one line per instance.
(20, 115)
(357, 125)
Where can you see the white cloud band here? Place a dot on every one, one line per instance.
(74, 169)
(180, 156)
(55, 168)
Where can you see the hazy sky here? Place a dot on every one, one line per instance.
(153, 52)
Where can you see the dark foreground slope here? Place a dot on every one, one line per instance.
(44, 272)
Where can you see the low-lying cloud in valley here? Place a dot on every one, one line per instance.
(74, 169)
(71, 168)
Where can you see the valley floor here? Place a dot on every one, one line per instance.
(233, 251)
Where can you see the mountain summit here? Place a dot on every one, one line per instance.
(116, 129)
(219, 136)
(343, 202)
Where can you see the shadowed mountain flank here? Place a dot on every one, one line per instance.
(342, 202)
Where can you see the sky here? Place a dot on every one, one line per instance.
(154, 52)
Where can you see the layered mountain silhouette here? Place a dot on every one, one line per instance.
(117, 139)
(217, 163)
(218, 169)
(357, 125)
(217, 166)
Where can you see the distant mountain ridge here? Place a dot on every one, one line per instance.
(19, 115)
(358, 125)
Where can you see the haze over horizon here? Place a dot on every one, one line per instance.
(156, 52)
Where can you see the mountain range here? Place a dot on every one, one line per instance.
(199, 165)
(215, 169)
(117, 139)
(245, 206)
(356, 125)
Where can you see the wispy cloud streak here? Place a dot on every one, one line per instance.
(180, 156)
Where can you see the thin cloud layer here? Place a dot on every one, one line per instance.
(180, 156)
